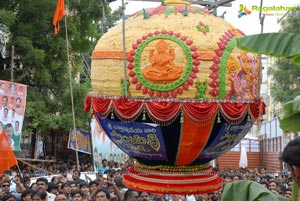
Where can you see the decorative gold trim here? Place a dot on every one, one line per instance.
(176, 2)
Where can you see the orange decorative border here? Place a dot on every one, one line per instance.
(110, 55)
(206, 55)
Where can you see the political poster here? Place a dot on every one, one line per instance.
(83, 141)
(12, 110)
(103, 147)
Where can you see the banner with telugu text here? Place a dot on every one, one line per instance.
(228, 136)
(138, 139)
(12, 110)
(83, 141)
(103, 147)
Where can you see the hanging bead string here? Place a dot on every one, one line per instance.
(112, 116)
(169, 168)
(219, 118)
(144, 115)
(181, 117)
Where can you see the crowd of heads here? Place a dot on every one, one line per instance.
(67, 181)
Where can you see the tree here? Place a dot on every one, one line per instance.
(41, 59)
(286, 75)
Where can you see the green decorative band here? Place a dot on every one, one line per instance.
(163, 87)
(223, 63)
(174, 168)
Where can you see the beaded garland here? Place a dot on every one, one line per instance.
(173, 168)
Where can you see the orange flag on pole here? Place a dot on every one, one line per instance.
(59, 13)
(7, 156)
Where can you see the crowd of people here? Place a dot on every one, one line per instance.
(68, 183)
(64, 181)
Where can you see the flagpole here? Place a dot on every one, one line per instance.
(19, 170)
(71, 90)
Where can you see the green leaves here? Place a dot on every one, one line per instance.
(248, 190)
(282, 44)
(290, 120)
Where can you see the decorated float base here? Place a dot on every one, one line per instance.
(173, 141)
(173, 179)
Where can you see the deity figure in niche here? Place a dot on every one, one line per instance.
(162, 69)
(246, 81)
(234, 74)
(252, 61)
(243, 76)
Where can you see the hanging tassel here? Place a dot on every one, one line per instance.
(112, 116)
(219, 119)
(181, 118)
(144, 115)
(249, 119)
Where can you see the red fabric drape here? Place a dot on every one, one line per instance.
(128, 110)
(255, 110)
(87, 104)
(234, 110)
(164, 112)
(102, 106)
(200, 111)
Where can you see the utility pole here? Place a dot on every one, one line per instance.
(12, 64)
(261, 21)
(103, 17)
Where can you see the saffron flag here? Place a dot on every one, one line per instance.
(7, 156)
(59, 13)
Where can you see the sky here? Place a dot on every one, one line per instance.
(249, 24)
